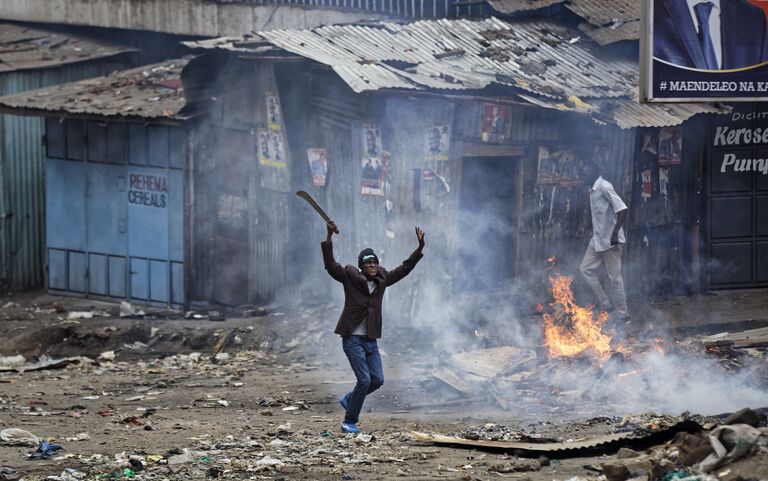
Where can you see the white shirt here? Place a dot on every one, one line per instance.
(714, 26)
(604, 203)
(362, 328)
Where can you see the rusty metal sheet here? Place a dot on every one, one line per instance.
(151, 91)
(608, 35)
(611, 20)
(534, 447)
(27, 48)
(604, 441)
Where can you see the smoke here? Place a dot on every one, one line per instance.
(484, 269)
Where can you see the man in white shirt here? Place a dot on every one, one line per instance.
(606, 216)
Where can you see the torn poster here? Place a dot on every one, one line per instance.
(663, 181)
(373, 174)
(647, 184)
(372, 163)
(495, 118)
(649, 143)
(274, 113)
(438, 141)
(559, 167)
(271, 149)
(670, 146)
(318, 165)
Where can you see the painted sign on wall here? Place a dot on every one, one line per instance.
(148, 190)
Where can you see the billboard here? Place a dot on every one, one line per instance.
(704, 50)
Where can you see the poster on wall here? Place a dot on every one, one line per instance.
(374, 171)
(372, 162)
(670, 146)
(559, 167)
(495, 118)
(274, 113)
(318, 165)
(438, 141)
(271, 149)
(704, 51)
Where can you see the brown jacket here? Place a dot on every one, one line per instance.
(358, 303)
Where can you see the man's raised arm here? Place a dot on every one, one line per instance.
(407, 266)
(334, 268)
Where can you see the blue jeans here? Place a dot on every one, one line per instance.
(363, 355)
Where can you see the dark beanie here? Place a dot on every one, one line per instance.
(366, 255)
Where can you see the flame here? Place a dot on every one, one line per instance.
(570, 329)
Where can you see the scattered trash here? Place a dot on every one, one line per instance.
(44, 450)
(8, 474)
(18, 437)
(72, 315)
(79, 437)
(731, 443)
(186, 456)
(364, 438)
(129, 310)
(107, 356)
(133, 420)
(11, 361)
(269, 461)
(47, 363)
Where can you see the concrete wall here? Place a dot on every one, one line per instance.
(185, 17)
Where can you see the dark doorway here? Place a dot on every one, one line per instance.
(487, 223)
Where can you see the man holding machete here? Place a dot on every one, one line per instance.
(360, 322)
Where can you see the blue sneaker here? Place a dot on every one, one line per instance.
(349, 428)
(344, 401)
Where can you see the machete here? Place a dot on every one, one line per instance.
(304, 195)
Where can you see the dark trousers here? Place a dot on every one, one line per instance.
(363, 355)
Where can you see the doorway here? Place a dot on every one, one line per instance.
(487, 223)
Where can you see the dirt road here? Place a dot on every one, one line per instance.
(264, 409)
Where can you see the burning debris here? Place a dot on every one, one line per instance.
(581, 363)
(571, 330)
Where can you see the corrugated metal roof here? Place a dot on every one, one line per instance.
(538, 56)
(545, 62)
(608, 20)
(629, 113)
(151, 92)
(512, 6)
(25, 48)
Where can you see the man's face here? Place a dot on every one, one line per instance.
(370, 269)
(590, 174)
(370, 140)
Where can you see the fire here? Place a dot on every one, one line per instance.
(570, 329)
